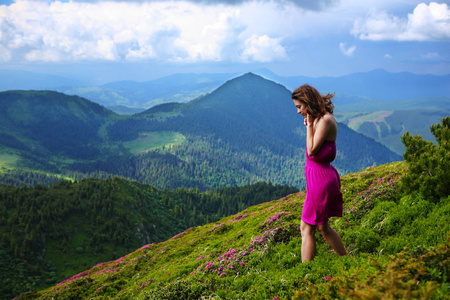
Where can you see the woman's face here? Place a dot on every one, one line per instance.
(301, 108)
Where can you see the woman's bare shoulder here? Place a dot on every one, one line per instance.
(329, 118)
(330, 122)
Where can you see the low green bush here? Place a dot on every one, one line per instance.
(404, 277)
(361, 240)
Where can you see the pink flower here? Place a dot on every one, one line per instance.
(242, 263)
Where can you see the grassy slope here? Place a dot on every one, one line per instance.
(256, 253)
(387, 126)
(7, 161)
(151, 140)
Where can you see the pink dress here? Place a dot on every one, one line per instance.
(323, 185)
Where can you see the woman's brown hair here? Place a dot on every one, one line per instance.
(316, 104)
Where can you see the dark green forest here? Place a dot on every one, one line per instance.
(19, 178)
(50, 233)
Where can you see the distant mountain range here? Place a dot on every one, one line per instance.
(25, 80)
(245, 131)
(122, 96)
(376, 85)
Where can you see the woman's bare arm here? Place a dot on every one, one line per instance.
(316, 135)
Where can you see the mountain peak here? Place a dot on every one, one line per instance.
(244, 90)
(251, 79)
(246, 76)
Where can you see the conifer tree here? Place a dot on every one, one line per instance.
(429, 164)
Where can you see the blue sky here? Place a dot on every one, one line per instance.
(103, 41)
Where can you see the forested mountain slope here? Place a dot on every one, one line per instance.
(244, 132)
(247, 124)
(51, 124)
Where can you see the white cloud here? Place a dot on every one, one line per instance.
(426, 23)
(5, 54)
(387, 56)
(347, 51)
(304, 4)
(195, 33)
(262, 49)
(207, 39)
(178, 31)
(432, 56)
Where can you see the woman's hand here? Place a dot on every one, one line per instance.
(309, 120)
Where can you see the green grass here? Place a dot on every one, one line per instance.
(256, 254)
(8, 161)
(354, 121)
(378, 116)
(152, 140)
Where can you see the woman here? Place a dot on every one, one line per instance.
(324, 197)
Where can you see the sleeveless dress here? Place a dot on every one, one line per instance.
(323, 186)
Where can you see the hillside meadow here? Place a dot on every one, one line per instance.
(398, 243)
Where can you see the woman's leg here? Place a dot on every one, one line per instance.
(333, 238)
(308, 241)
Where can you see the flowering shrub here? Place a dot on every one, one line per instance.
(233, 261)
(239, 217)
(179, 235)
(220, 228)
(276, 219)
(228, 263)
(381, 190)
